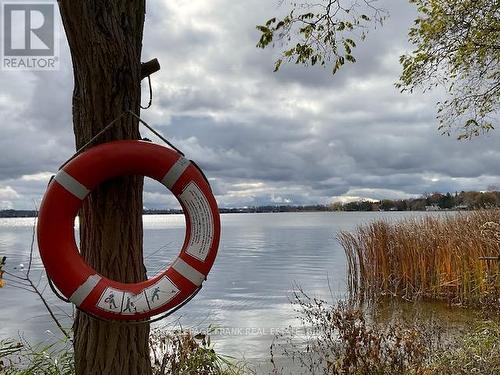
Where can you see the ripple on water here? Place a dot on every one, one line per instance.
(261, 258)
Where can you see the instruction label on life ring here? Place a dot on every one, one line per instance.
(120, 302)
(200, 217)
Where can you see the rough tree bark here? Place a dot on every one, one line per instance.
(105, 39)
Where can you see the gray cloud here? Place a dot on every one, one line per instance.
(299, 136)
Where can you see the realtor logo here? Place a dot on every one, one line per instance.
(29, 36)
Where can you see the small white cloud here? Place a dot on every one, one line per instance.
(351, 198)
(280, 200)
(41, 176)
(6, 205)
(7, 193)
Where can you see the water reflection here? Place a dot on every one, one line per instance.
(261, 258)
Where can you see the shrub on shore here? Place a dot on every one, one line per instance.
(172, 352)
(342, 339)
(179, 352)
(431, 257)
(338, 339)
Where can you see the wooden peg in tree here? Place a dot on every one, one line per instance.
(149, 67)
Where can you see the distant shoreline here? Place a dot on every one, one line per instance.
(262, 209)
(463, 201)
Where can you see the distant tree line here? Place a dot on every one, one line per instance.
(251, 209)
(276, 208)
(465, 200)
(18, 213)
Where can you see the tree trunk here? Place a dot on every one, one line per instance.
(105, 39)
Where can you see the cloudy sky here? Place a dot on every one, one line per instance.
(299, 136)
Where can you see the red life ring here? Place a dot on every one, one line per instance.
(95, 293)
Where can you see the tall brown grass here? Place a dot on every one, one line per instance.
(429, 257)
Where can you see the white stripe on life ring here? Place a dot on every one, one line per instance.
(190, 273)
(71, 184)
(175, 172)
(84, 290)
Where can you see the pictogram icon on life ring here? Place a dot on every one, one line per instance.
(93, 292)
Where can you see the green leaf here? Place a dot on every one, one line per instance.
(350, 58)
(277, 65)
(269, 22)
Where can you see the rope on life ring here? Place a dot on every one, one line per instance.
(110, 299)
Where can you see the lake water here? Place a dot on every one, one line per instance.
(262, 257)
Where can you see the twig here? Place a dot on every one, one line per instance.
(51, 313)
(32, 246)
(19, 282)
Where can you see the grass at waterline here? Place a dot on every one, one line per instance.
(332, 339)
(429, 257)
(172, 352)
(478, 352)
(20, 357)
(343, 339)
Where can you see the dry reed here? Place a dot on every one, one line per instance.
(430, 257)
